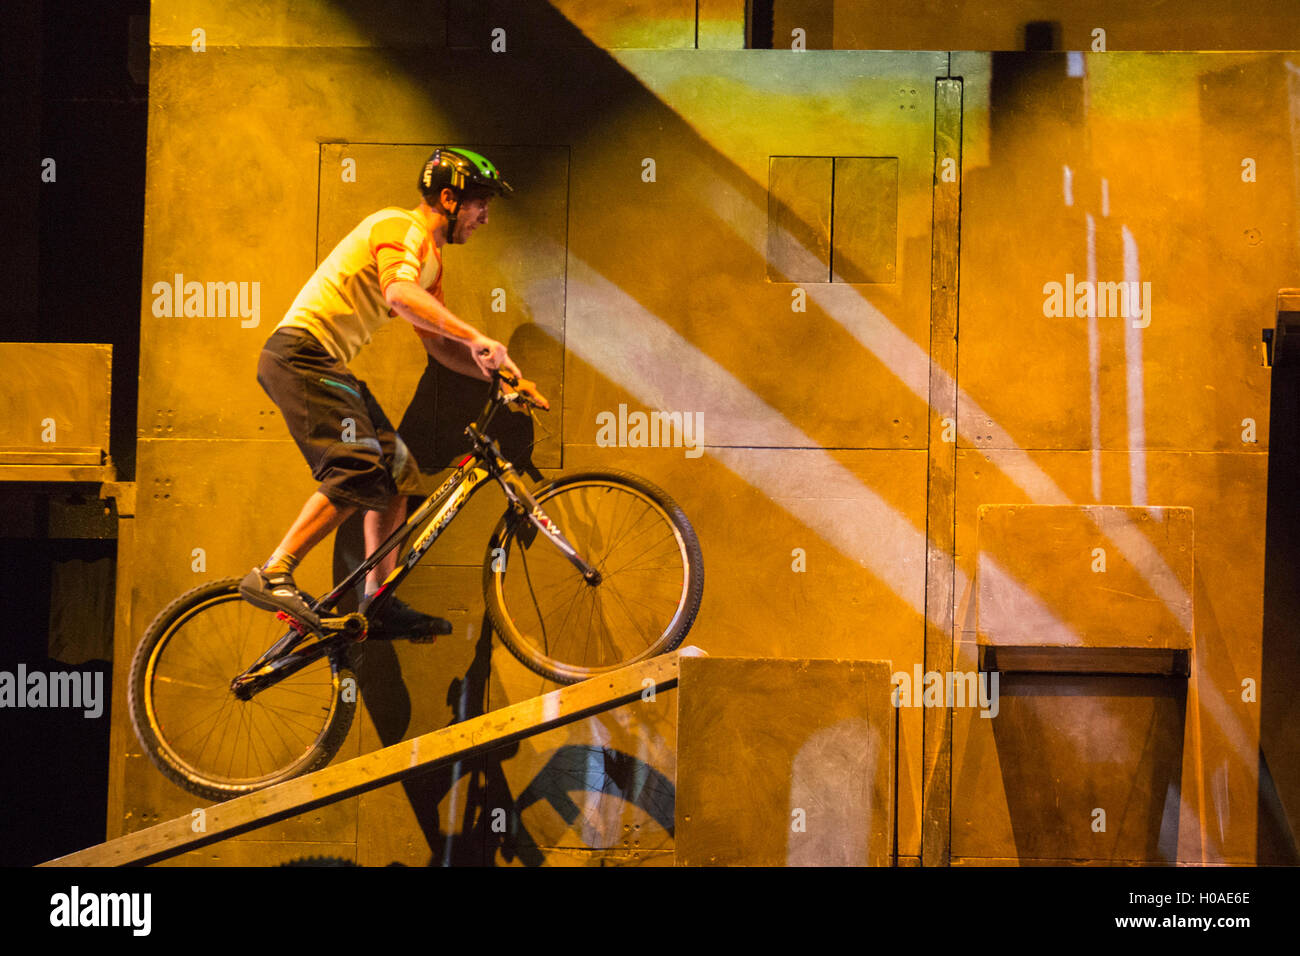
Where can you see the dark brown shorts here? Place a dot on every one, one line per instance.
(351, 446)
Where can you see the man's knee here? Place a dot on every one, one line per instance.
(366, 484)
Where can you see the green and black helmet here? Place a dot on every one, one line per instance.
(458, 168)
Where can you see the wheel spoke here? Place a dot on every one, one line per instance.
(211, 740)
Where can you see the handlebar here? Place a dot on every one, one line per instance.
(499, 376)
(498, 398)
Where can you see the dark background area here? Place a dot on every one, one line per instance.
(74, 88)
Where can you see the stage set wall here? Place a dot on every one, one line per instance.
(849, 446)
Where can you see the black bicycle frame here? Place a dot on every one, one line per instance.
(435, 513)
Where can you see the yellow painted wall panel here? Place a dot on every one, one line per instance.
(866, 219)
(806, 783)
(799, 218)
(1114, 577)
(56, 396)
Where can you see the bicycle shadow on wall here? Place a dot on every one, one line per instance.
(433, 426)
(388, 702)
(587, 768)
(570, 769)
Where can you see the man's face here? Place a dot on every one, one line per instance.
(473, 213)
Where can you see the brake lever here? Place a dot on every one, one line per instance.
(512, 398)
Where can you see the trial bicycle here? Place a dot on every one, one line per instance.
(584, 574)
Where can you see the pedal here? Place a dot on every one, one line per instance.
(302, 629)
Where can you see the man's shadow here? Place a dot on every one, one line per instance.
(446, 402)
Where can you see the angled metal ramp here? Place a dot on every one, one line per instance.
(374, 770)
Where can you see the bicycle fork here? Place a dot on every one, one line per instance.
(525, 506)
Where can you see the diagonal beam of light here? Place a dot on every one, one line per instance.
(839, 507)
(911, 365)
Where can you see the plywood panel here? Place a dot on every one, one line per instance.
(799, 218)
(866, 219)
(1116, 577)
(806, 783)
(56, 401)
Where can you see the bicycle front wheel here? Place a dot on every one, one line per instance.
(651, 577)
(193, 727)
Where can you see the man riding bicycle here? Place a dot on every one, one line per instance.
(390, 264)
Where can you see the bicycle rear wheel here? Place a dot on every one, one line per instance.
(193, 727)
(652, 577)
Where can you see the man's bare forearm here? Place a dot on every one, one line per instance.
(455, 356)
(424, 311)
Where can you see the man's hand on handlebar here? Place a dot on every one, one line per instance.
(490, 355)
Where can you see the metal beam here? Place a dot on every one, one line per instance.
(374, 770)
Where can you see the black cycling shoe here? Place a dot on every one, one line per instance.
(400, 621)
(275, 591)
